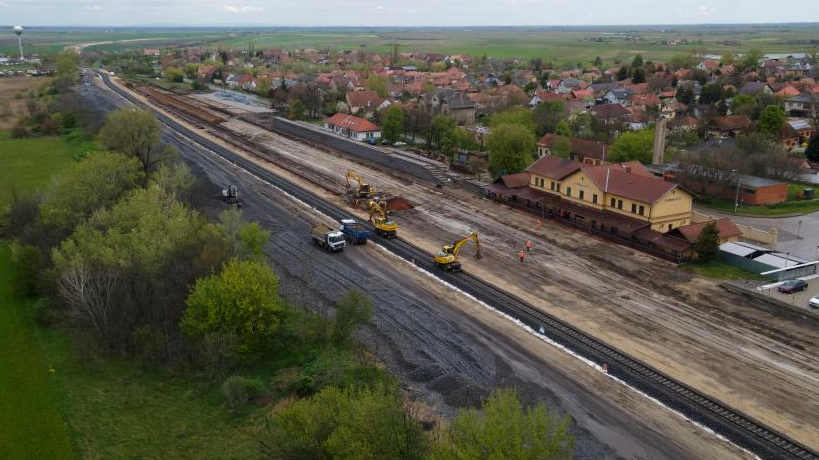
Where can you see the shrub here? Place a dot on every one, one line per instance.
(43, 311)
(19, 130)
(239, 390)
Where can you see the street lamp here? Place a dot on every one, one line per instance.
(799, 231)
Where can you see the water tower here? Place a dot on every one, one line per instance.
(18, 29)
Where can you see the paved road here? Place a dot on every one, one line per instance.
(801, 240)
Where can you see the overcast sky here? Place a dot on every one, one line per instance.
(402, 12)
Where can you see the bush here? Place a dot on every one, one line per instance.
(43, 311)
(239, 390)
(20, 130)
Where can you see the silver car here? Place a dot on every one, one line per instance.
(814, 301)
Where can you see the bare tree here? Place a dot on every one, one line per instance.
(89, 293)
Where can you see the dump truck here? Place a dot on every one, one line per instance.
(354, 232)
(328, 238)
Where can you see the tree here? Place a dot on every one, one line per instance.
(622, 74)
(547, 115)
(191, 70)
(378, 84)
(752, 58)
(174, 74)
(242, 299)
(135, 133)
(67, 61)
(510, 148)
(707, 244)
(504, 429)
(685, 95)
(743, 104)
(637, 62)
(812, 152)
(638, 76)
(633, 145)
(96, 182)
(563, 129)
(263, 87)
(711, 94)
(440, 134)
(352, 310)
(597, 61)
(393, 123)
(562, 147)
(770, 120)
(464, 139)
(295, 110)
(353, 423)
(517, 115)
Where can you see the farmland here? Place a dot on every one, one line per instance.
(561, 45)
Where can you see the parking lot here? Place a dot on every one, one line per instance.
(799, 299)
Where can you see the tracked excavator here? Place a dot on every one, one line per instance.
(364, 189)
(447, 258)
(383, 225)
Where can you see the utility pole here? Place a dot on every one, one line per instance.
(736, 196)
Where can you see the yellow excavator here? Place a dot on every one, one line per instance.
(383, 225)
(364, 189)
(447, 258)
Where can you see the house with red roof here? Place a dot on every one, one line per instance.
(352, 127)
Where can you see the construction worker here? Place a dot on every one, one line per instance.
(528, 246)
(521, 255)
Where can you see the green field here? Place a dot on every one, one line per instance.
(31, 425)
(27, 164)
(561, 45)
(721, 271)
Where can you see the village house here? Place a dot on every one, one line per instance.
(352, 127)
(365, 102)
(801, 105)
(754, 88)
(609, 113)
(582, 150)
(795, 132)
(728, 126)
(449, 102)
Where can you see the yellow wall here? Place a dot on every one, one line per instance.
(673, 208)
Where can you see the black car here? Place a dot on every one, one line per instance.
(791, 286)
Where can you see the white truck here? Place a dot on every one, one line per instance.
(328, 238)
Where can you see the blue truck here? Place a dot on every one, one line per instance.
(354, 232)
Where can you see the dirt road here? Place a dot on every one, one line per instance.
(743, 351)
(446, 349)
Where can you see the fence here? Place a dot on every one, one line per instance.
(767, 238)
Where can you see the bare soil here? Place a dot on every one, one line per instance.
(745, 352)
(12, 108)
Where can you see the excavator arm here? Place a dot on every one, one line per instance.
(383, 226)
(447, 258)
(472, 236)
(364, 189)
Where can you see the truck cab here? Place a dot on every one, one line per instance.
(327, 238)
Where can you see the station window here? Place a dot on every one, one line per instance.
(568, 191)
(634, 208)
(581, 194)
(594, 198)
(619, 204)
(642, 210)
(613, 202)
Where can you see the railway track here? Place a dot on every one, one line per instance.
(726, 421)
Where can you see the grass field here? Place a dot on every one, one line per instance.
(781, 209)
(720, 270)
(27, 164)
(31, 426)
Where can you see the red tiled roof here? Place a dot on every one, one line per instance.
(609, 111)
(691, 232)
(732, 122)
(355, 124)
(579, 147)
(367, 98)
(515, 180)
(553, 167)
(630, 180)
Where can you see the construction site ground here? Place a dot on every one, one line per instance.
(754, 356)
(443, 346)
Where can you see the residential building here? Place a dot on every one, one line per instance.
(582, 150)
(365, 102)
(795, 132)
(450, 102)
(352, 127)
(728, 126)
(801, 105)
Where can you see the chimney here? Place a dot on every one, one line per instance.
(659, 142)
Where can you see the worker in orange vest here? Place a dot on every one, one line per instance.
(528, 246)
(521, 255)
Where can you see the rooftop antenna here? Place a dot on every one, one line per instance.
(18, 29)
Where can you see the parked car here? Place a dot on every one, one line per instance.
(400, 144)
(371, 141)
(791, 286)
(814, 301)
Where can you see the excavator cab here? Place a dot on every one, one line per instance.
(384, 226)
(364, 189)
(447, 257)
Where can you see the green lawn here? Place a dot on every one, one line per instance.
(720, 270)
(31, 426)
(781, 209)
(27, 164)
